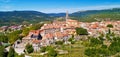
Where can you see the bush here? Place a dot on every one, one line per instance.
(95, 41)
(72, 42)
(52, 53)
(49, 48)
(70, 39)
(59, 42)
(104, 46)
(89, 52)
(43, 49)
(12, 52)
(29, 48)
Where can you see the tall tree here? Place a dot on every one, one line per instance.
(11, 52)
(109, 26)
(29, 48)
(2, 51)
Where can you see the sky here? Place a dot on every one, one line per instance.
(57, 6)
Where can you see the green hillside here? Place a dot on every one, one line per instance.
(22, 17)
(98, 15)
(26, 17)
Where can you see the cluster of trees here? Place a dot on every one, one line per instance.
(115, 45)
(97, 52)
(3, 38)
(36, 26)
(10, 37)
(32, 27)
(95, 42)
(13, 36)
(11, 53)
(25, 31)
(97, 48)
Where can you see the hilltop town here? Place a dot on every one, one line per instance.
(50, 33)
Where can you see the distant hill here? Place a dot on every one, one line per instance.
(89, 12)
(97, 15)
(22, 14)
(16, 17)
(57, 14)
(21, 17)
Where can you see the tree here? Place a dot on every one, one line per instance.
(72, 40)
(2, 51)
(104, 46)
(81, 31)
(14, 36)
(95, 41)
(4, 38)
(52, 53)
(29, 48)
(90, 52)
(43, 49)
(49, 48)
(25, 31)
(110, 26)
(59, 42)
(11, 52)
(36, 26)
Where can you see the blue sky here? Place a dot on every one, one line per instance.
(56, 6)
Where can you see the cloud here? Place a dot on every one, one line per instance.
(5, 1)
(100, 7)
(71, 10)
(5, 7)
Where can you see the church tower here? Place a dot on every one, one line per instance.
(66, 19)
(67, 16)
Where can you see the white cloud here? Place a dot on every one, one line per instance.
(71, 10)
(5, 7)
(5, 1)
(100, 7)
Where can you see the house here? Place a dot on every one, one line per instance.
(35, 34)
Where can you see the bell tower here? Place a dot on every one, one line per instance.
(67, 15)
(66, 19)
